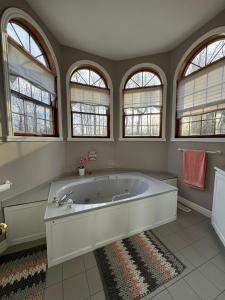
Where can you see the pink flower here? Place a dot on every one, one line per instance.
(84, 160)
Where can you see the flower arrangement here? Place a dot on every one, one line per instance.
(83, 161)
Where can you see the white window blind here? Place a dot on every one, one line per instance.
(21, 65)
(89, 95)
(143, 98)
(202, 89)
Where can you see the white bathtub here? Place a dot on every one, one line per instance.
(105, 208)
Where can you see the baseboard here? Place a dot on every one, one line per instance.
(206, 212)
(3, 246)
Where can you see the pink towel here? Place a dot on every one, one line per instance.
(194, 166)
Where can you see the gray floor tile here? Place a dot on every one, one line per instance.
(76, 288)
(177, 241)
(89, 260)
(162, 231)
(219, 261)
(204, 227)
(206, 247)
(192, 234)
(181, 290)
(175, 226)
(54, 275)
(73, 267)
(221, 297)
(213, 274)
(54, 292)
(99, 296)
(163, 296)
(94, 280)
(202, 286)
(194, 256)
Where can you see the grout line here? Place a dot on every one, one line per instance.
(170, 293)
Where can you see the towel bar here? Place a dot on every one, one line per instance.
(211, 152)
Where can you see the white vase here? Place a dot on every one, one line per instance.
(81, 171)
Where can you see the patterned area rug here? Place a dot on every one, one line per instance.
(22, 274)
(136, 266)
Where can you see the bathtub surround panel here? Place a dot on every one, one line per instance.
(85, 226)
(141, 261)
(96, 225)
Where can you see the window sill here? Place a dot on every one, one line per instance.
(200, 140)
(70, 139)
(142, 139)
(33, 139)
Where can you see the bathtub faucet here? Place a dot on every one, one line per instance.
(64, 198)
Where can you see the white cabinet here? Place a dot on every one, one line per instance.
(25, 222)
(218, 211)
(71, 236)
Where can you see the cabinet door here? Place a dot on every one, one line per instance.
(26, 222)
(152, 212)
(69, 237)
(111, 224)
(218, 214)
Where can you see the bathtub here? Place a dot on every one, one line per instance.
(102, 209)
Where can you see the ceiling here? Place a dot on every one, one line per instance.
(120, 29)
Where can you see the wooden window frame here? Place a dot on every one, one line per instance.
(142, 88)
(51, 69)
(181, 76)
(95, 69)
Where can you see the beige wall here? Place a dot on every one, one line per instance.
(32, 163)
(142, 155)
(174, 158)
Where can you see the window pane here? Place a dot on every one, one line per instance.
(23, 36)
(49, 127)
(25, 87)
(29, 109)
(40, 111)
(89, 125)
(43, 60)
(17, 105)
(11, 32)
(212, 52)
(143, 79)
(41, 127)
(36, 93)
(48, 114)
(18, 123)
(45, 97)
(14, 83)
(88, 77)
(30, 124)
(34, 48)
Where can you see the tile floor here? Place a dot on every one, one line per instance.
(191, 238)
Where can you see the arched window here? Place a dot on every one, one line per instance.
(89, 103)
(201, 91)
(31, 78)
(142, 105)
